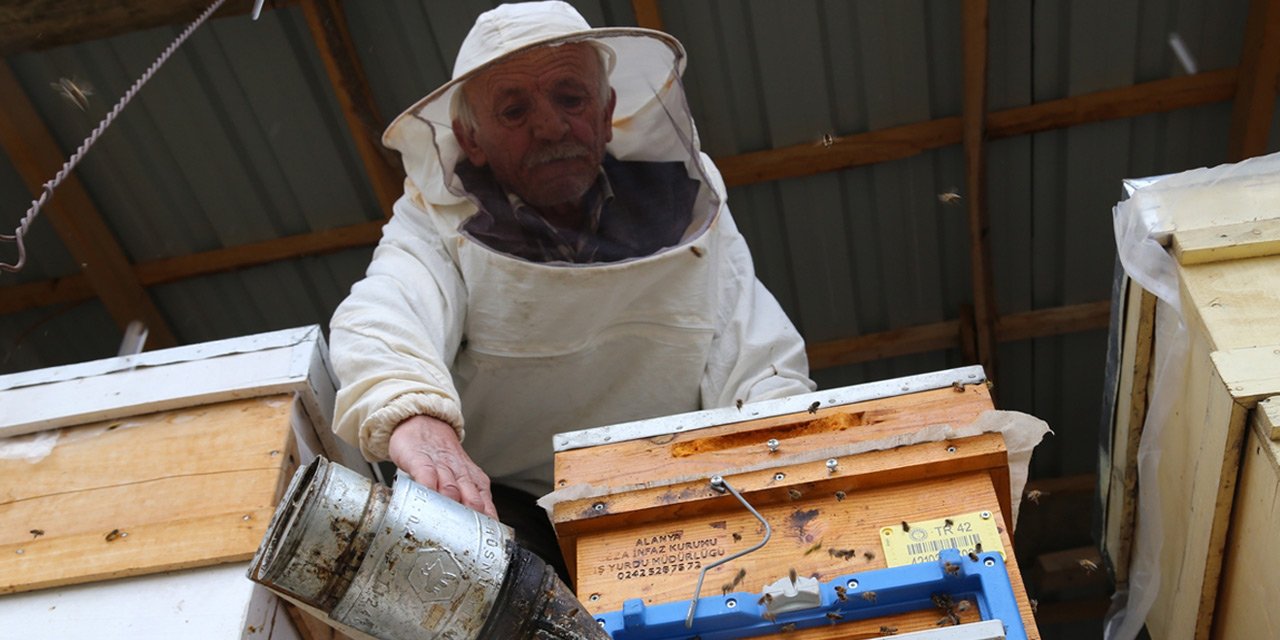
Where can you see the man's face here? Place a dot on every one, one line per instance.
(541, 123)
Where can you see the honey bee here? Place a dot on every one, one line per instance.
(905, 527)
(770, 616)
(827, 140)
(765, 599)
(888, 631)
(36, 533)
(950, 196)
(817, 545)
(869, 555)
(833, 616)
(951, 568)
(869, 596)
(695, 250)
(813, 408)
(794, 494)
(737, 537)
(114, 535)
(739, 403)
(787, 628)
(841, 594)
(75, 91)
(1034, 495)
(840, 495)
(1088, 565)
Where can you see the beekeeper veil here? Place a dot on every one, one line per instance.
(651, 119)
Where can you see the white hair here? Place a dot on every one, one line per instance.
(464, 114)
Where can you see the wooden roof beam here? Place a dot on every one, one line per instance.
(328, 25)
(1256, 84)
(36, 156)
(974, 15)
(895, 143)
(648, 15)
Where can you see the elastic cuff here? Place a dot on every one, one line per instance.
(375, 432)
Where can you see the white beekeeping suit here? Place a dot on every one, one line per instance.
(517, 350)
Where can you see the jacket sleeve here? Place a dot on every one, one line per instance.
(756, 353)
(393, 336)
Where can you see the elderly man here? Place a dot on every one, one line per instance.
(562, 258)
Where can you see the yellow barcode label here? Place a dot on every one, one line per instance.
(915, 542)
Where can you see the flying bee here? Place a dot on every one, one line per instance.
(817, 545)
(1088, 565)
(950, 196)
(76, 92)
(1034, 495)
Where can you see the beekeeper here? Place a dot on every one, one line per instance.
(562, 258)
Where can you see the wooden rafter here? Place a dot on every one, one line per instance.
(1255, 98)
(908, 140)
(328, 25)
(76, 220)
(648, 15)
(41, 24)
(974, 14)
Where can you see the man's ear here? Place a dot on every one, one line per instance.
(467, 140)
(608, 115)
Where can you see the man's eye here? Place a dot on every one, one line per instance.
(513, 114)
(572, 102)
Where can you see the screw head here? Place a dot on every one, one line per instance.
(985, 515)
(832, 463)
(599, 506)
(852, 584)
(951, 449)
(731, 603)
(772, 444)
(989, 562)
(779, 476)
(595, 597)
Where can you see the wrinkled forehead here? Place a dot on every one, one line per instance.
(539, 67)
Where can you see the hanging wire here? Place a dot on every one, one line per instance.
(20, 233)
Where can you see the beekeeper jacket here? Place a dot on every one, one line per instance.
(517, 351)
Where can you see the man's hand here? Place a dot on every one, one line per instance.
(428, 450)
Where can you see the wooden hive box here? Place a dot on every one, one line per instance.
(134, 490)
(1217, 572)
(637, 517)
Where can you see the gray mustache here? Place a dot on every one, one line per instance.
(561, 151)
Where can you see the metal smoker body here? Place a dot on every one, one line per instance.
(406, 562)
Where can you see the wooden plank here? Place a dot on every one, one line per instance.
(1250, 374)
(36, 156)
(741, 444)
(1199, 466)
(1246, 601)
(648, 14)
(884, 344)
(158, 492)
(849, 524)
(1255, 99)
(1088, 316)
(1237, 301)
(894, 143)
(974, 19)
(32, 26)
(114, 388)
(1227, 242)
(328, 24)
(1130, 416)
(1268, 416)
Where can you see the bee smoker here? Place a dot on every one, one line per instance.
(405, 562)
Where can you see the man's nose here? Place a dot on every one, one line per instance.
(548, 122)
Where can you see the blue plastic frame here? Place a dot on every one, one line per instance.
(983, 580)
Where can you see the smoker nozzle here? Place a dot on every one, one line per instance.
(405, 562)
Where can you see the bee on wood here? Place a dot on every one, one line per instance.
(737, 537)
(950, 196)
(75, 91)
(841, 594)
(869, 596)
(695, 250)
(1088, 565)
(36, 533)
(869, 555)
(840, 496)
(827, 140)
(888, 631)
(794, 494)
(817, 545)
(114, 535)
(1034, 495)
(813, 408)
(833, 616)
(737, 579)
(957, 386)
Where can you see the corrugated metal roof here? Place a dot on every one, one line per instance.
(239, 139)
